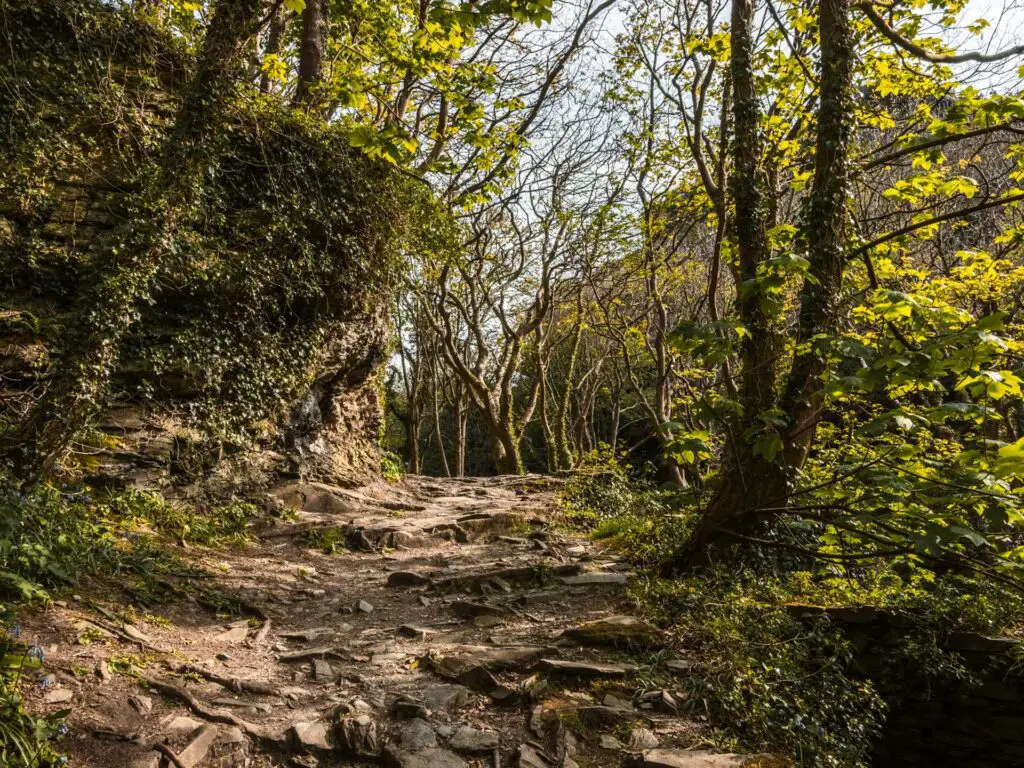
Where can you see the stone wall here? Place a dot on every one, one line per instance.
(970, 723)
(975, 720)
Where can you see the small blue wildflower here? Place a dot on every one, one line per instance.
(36, 652)
(46, 682)
(14, 631)
(86, 498)
(62, 760)
(63, 730)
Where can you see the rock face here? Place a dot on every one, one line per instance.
(297, 315)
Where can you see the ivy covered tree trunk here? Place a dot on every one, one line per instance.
(275, 37)
(824, 232)
(762, 456)
(311, 54)
(127, 260)
(564, 456)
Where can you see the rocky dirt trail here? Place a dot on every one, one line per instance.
(453, 627)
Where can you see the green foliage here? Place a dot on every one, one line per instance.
(644, 520)
(766, 676)
(769, 681)
(330, 541)
(26, 740)
(50, 538)
(392, 468)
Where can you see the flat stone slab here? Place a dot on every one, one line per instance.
(618, 632)
(60, 696)
(197, 749)
(308, 635)
(496, 658)
(469, 610)
(418, 734)
(447, 697)
(686, 758)
(407, 579)
(182, 724)
(234, 635)
(584, 669)
(595, 579)
(530, 757)
(417, 633)
(307, 653)
(469, 739)
(433, 757)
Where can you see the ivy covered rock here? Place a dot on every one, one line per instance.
(267, 323)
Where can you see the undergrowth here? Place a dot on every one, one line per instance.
(26, 740)
(59, 538)
(767, 676)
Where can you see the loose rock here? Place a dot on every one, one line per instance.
(584, 669)
(433, 757)
(446, 698)
(641, 739)
(406, 707)
(685, 758)
(197, 749)
(407, 579)
(469, 739)
(594, 579)
(322, 671)
(418, 734)
(357, 736)
(309, 736)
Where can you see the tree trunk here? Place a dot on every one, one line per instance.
(130, 256)
(747, 478)
(311, 53)
(437, 424)
(564, 458)
(824, 231)
(749, 482)
(550, 442)
(274, 39)
(460, 434)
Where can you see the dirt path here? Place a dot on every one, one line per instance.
(452, 632)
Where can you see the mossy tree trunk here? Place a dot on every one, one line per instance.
(311, 55)
(128, 259)
(751, 485)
